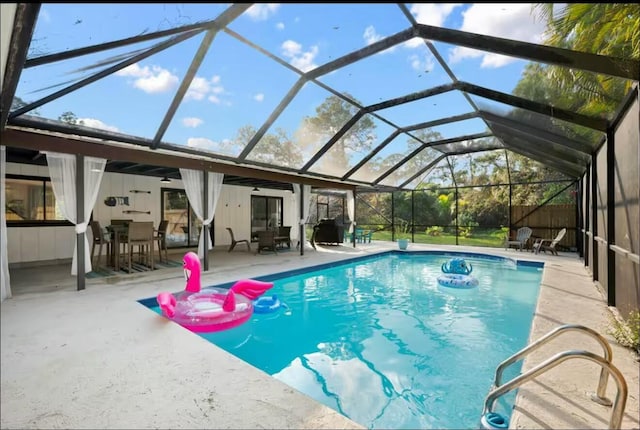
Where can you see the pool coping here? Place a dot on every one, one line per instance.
(140, 372)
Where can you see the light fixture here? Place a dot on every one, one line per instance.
(165, 180)
(255, 189)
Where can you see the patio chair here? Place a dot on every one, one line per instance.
(234, 242)
(284, 236)
(549, 244)
(140, 235)
(522, 236)
(160, 236)
(100, 237)
(267, 241)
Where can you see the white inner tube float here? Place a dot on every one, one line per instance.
(454, 280)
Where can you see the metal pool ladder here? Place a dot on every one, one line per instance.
(599, 396)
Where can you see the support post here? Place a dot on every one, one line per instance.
(80, 276)
(594, 217)
(611, 218)
(587, 217)
(205, 215)
(354, 219)
(301, 226)
(412, 216)
(579, 219)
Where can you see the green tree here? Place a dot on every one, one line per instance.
(611, 29)
(273, 148)
(70, 118)
(331, 115)
(17, 103)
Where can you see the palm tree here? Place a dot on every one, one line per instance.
(611, 29)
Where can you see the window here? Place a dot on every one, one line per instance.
(30, 201)
(266, 213)
(329, 206)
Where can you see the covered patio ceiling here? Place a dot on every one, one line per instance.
(327, 110)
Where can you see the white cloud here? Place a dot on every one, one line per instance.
(198, 89)
(370, 36)
(259, 97)
(201, 87)
(133, 70)
(280, 26)
(44, 16)
(433, 13)
(96, 123)
(192, 122)
(507, 20)
(201, 143)
(421, 64)
(151, 80)
(262, 11)
(299, 59)
(210, 145)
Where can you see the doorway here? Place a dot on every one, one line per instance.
(184, 226)
(266, 214)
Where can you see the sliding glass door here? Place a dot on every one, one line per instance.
(266, 213)
(184, 227)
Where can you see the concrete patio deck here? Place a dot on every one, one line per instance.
(98, 359)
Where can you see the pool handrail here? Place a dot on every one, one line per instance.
(619, 402)
(600, 395)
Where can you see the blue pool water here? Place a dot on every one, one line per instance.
(378, 339)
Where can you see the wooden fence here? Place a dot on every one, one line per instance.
(546, 221)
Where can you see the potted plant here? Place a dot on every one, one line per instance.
(402, 234)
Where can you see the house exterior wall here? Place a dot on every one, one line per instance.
(51, 245)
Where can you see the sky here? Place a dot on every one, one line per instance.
(238, 86)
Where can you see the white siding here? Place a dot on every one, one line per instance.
(29, 244)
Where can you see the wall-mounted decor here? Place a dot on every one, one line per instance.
(136, 212)
(116, 200)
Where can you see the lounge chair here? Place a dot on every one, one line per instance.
(549, 244)
(234, 242)
(522, 236)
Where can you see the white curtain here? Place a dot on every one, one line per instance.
(304, 217)
(293, 208)
(62, 169)
(351, 209)
(194, 187)
(5, 281)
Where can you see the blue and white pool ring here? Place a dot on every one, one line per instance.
(265, 304)
(493, 421)
(454, 280)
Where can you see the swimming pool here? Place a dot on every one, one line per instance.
(378, 339)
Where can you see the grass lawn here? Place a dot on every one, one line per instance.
(478, 237)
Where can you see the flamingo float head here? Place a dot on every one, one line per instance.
(191, 266)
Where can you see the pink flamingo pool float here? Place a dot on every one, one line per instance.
(212, 309)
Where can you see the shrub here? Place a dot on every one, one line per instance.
(626, 332)
(434, 231)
